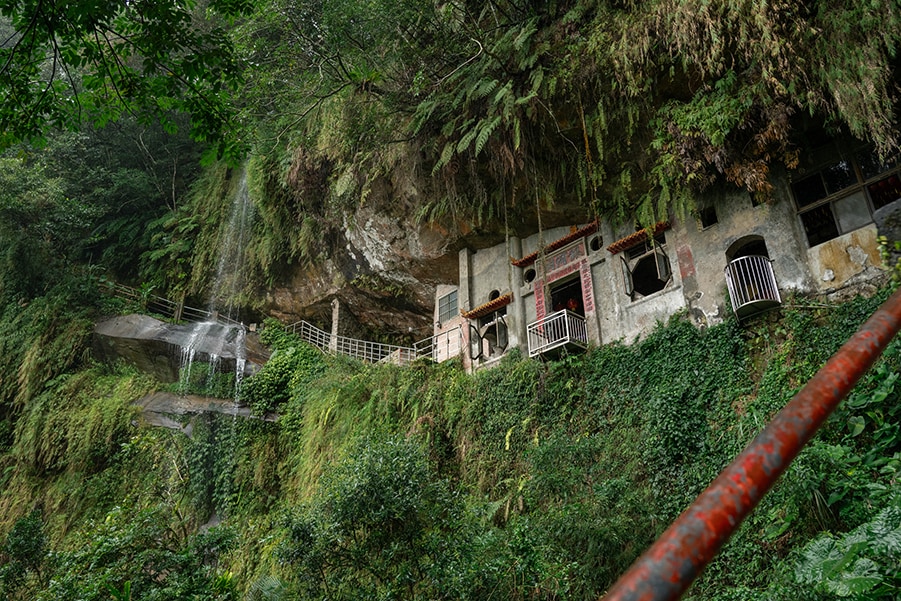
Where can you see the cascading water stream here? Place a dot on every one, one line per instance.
(228, 282)
(188, 351)
(226, 286)
(224, 333)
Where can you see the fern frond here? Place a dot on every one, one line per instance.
(484, 88)
(446, 154)
(485, 133)
(467, 139)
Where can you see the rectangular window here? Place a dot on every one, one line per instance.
(707, 217)
(646, 246)
(842, 193)
(885, 191)
(447, 306)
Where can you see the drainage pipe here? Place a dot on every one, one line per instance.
(670, 565)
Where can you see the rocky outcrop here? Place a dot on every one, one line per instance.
(385, 267)
(157, 347)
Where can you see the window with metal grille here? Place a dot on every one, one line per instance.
(840, 195)
(447, 306)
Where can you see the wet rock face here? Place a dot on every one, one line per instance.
(382, 273)
(156, 347)
(386, 265)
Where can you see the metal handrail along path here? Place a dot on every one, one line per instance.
(670, 565)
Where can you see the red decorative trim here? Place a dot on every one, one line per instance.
(489, 307)
(572, 236)
(637, 238)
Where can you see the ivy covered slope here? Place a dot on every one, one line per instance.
(527, 481)
(473, 110)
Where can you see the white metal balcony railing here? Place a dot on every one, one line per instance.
(439, 348)
(563, 329)
(752, 285)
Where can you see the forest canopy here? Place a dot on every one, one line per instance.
(631, 107)
(62, 64)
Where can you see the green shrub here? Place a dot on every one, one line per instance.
(381, 526)
(287, 370)
(25, 551)
(140, 551)
(864, 564)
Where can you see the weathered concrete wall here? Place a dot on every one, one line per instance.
(545, 237)
(447, 334)
(697, 256)
(491, 272)
(702, 255)
(624, 319)
(846, 260)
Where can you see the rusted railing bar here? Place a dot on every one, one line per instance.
(670, 565)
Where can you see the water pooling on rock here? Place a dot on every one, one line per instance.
(160, 348)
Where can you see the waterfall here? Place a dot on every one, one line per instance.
(225, 288)
(228, 282)
(188, 352)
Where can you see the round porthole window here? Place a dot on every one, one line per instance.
(596, 243)
(494, 294)
(529, 276)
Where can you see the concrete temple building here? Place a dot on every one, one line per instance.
(566, 288)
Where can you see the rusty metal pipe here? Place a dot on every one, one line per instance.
(672, 563)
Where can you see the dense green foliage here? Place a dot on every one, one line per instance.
(469, 109)
(291, 367)
(61, 65)
(457, 113)
(464, 108)
(528, 480)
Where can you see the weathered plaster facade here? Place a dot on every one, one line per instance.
(621, 285)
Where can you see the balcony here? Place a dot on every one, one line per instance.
(556, 333)
(752, 285)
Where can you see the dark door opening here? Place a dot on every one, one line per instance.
(568, 295)
(748, 246)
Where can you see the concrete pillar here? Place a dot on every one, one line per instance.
(333, 339)
(516, 316)
(464, 295)
(464, 300)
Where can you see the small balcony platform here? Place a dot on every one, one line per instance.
(752, 285)
(563, 331)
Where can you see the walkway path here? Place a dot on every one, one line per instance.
(364, 350)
